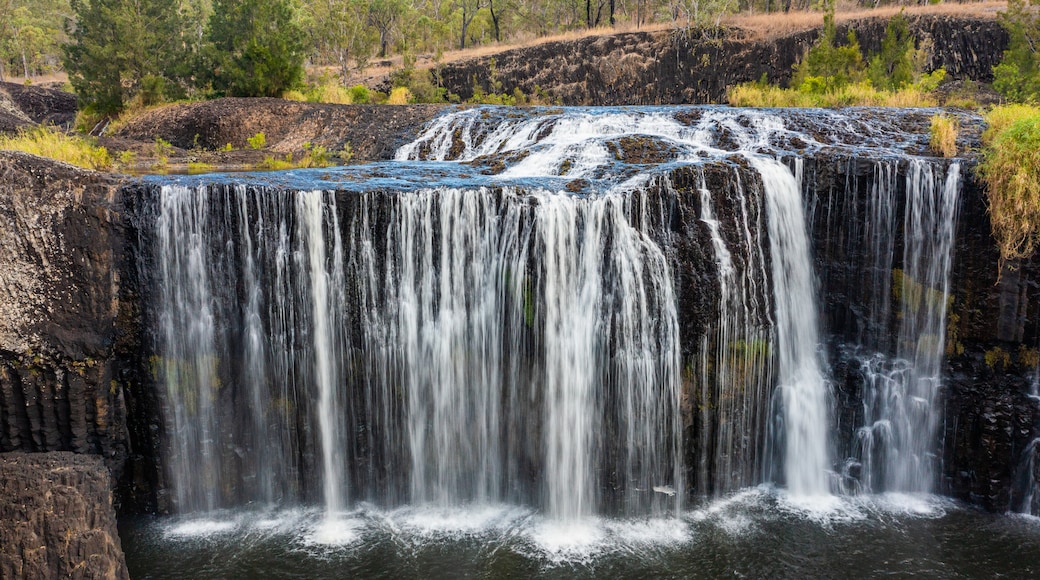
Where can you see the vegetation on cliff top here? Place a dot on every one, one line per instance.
(1017, 77)
(1011, 168)
(833, 74)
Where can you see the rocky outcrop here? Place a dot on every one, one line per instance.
(371, 131)
(67, 327)
(22, 105)
(56, 518)
(657, 68)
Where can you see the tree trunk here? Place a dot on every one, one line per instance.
(494, 19)
(612, 12)
(25, 65)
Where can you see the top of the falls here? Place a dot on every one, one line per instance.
(605, 148)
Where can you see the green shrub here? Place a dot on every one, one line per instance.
(258, 141)
(828, 66)
(893, 67)
(1017, 77)
(360, 94)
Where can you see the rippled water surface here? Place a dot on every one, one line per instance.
(755, 534)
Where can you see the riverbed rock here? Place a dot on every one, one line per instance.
(57, 519)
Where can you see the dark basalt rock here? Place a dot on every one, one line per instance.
(659, 68)
(56, 518)
(68, 330)
(42, 105)
(373, 131)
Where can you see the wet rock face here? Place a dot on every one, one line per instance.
(56, 518)
(656, 68)
(67, 326)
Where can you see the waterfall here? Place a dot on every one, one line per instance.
(802, 385)
(736, 358)
(901, 410)
(326, 278)
(442, 346)
(450, 340)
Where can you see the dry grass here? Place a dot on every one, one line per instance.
(943, 135)
(399, 96)
(773, 25)
(1011, 168)
(45, 142)
(856, 95)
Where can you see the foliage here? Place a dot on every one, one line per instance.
(196, 167)
(828, 66)
(255, 48)
(79, 151)
(420, 84)
(329, 91)
(893, 67)
(338, 32)
(273, 163)
(359, 94)
(835, 76)
(943, 135)
(121, 47)
(258, 141)
(347, 153)
(1017, 77)
(31, 35)
(1011, 168)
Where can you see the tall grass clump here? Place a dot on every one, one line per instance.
(1011, 169)
(45, 142)
(943, 135)
(399, 96)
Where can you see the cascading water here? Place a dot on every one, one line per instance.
(517, 339)
(802, 386)
(736, 364)
(897, 442)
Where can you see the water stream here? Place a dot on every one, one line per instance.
(551, 338)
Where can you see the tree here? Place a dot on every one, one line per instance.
(827, 66)
(383, 15)
(254, 47)
(893, 67)
(1017, 77)
(119, 44)
(338, 32)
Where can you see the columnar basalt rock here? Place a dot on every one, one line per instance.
(660, 68)
(56, 518)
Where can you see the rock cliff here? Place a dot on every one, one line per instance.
(659, 68)
(56, 518)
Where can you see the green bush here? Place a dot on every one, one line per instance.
(893, 67)
(359, 94)
(827, 66)
(258, 141)
(1017, 77)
